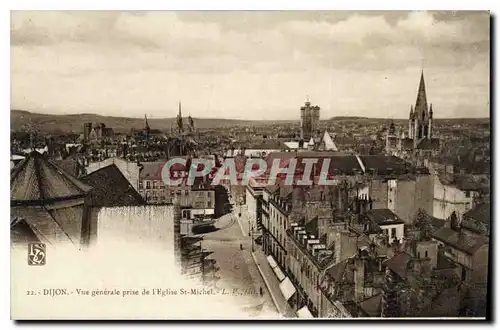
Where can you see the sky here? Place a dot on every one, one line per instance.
(249, 65)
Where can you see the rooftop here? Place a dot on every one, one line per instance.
(462, 242)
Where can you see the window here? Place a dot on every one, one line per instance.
(426, 254)
(148, 184)
(155, 184)
(141, 184)
(467, 194)
(393, 232)
(418, 255)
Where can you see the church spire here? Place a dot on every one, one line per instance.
(421, 104)
(147, 125)
(180, 124)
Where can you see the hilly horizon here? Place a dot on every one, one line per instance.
(22, 120)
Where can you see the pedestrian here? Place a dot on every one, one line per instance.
(261, 291)
(241, 246)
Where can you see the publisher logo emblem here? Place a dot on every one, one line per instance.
(36, 254)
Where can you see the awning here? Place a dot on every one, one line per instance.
(279, 273)
(287, 288)
(304, 313)
(271, 261)
(202, 211)
(276, 269)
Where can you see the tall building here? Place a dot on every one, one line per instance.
(87, 127)
(419, 144)
(309, 121)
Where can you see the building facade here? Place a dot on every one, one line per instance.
(309, 121)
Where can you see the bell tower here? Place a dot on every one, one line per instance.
(309, 120)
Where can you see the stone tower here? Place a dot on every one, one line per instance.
(309, 120)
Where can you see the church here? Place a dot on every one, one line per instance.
(419, 143)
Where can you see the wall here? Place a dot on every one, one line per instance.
(480, 265)
(136, 224)
(405, 207)
(448, 199)
(424, 192)
(431, 247)
(400, 231)
(251, 210)
(277, 224)
(305, 273)
(392, 188)
(378, 193)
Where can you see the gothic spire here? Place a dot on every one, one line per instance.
(146, 118)
(421, 104)
(179, 119)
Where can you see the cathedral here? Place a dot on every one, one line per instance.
(418, 144)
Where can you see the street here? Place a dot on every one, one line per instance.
(238, 272)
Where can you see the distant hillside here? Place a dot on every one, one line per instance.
(46, 123)
(348, 118)
(400, 120)
(20, 119)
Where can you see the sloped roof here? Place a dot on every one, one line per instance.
(111, 188)
(312, 226)
(464, 243)
(383, 217)
(69, 165)
(267, 144)
(21, 232)
(372, 306)
(480, 213)
(386, 164)
(41, 223)
(329, 144)
(399, 264)
(36, 179)
(428, 144)
(446, 304)
(407, 143)
(336, 272)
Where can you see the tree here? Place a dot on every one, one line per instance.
(423, 223)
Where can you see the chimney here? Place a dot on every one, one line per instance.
(364, 204)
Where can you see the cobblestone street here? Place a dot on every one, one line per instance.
(238, 272)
